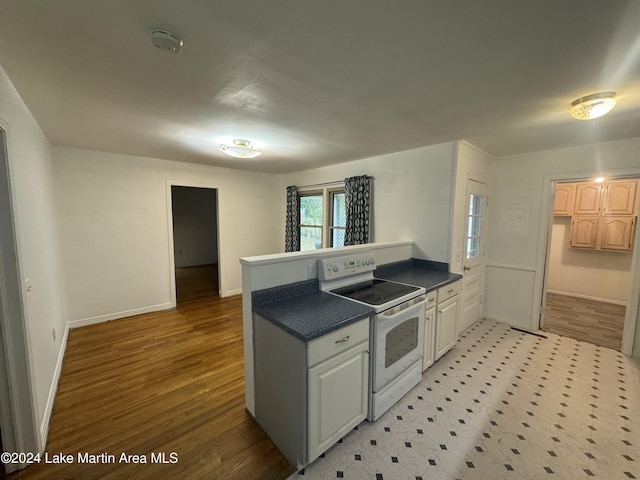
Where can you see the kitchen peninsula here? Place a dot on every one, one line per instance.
(305, 340)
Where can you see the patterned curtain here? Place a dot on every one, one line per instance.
(292, 232)
(357, 204)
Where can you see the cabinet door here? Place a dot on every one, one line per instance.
(565, 198)
(587, 199)
(620, 197)
(584, 232)
(338, 397)
(446, 326)
(616, 233)
(429, 340)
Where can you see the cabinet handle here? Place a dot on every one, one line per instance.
(450, 290)
(345, 339)
(431, 300)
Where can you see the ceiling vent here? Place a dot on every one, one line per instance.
(165, 40)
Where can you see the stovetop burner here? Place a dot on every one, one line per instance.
(375, 292)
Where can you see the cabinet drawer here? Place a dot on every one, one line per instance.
(448, 291)
(336, 342)
(432, 298)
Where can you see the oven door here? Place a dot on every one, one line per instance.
(399, 338)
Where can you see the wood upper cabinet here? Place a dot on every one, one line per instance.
(616, 233)
(603, 216)
(620, 197)
(584, 232)
(587, 201)
(565, 198)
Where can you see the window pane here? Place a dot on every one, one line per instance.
(311, 210)
(473, 247)
(337, 237)
(476, 205)
(310, 238)
(474, 226)
(339, 211)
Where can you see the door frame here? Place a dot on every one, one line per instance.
(631, 322)
(172, 261)
(17, 411)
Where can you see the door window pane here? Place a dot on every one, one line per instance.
(474, 225)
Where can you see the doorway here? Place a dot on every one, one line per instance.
(195, 243)
(17, 420)
(590, 260)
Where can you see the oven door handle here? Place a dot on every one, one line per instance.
(394, 312)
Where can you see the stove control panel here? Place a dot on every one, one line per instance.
(346, 265)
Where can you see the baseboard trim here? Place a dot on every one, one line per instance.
(115, 316)
(44, 427)
(231, 293)
(587, 297)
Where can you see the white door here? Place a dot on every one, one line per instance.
(474, 253)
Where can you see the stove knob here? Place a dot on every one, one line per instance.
(373, 261)
(335, 268)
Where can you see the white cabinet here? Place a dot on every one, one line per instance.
(428, 354)
(446, 319)
(308, 395)
(338, 393)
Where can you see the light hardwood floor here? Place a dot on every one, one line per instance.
(591, 321)
(162, 382)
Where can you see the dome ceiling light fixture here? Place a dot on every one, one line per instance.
(593, 106)
(240, 149)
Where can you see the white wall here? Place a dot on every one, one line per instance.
(412, 196)
(195, 226)
(516, 256)
(38, 253)
(114, 227)
(594, 274)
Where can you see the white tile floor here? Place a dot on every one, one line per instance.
(504, 405)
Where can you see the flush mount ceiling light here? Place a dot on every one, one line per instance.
(593, 106)
(240, 149)
(165, 40)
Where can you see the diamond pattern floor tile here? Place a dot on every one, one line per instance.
(503, 404)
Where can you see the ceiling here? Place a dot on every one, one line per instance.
(319, 82)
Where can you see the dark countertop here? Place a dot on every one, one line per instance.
(305, 312)
(422, 273)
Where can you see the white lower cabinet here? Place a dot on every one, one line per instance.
(310, 395)
(446, 319)
(338, 397)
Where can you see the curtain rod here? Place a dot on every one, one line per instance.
(325, 183)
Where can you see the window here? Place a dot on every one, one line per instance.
(323, 218)
(473, 225)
